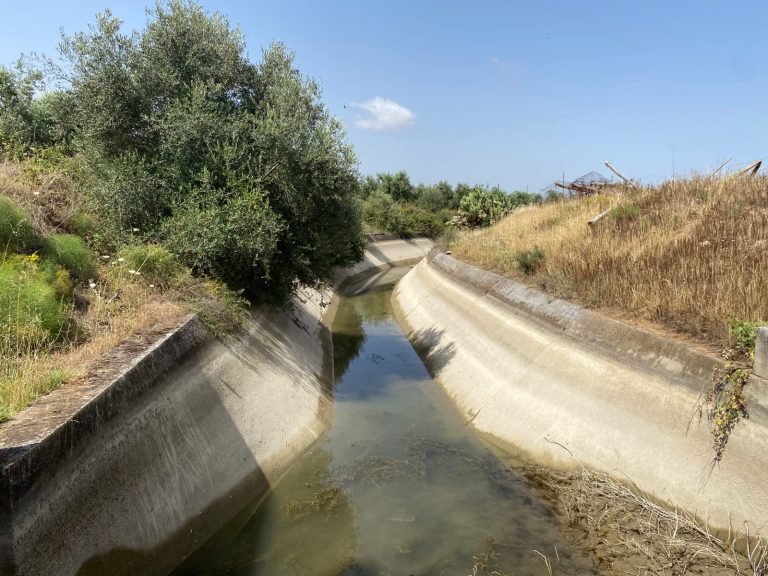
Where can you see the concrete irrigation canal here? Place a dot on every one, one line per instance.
(315, 442)
(398, 485)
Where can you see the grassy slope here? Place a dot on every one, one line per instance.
(686, 255)
(119, 304)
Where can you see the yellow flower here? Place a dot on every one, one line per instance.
(33, 258)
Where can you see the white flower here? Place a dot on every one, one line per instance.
(36, 193)
(92, 284)
(105, 257)
(134, 272)
(135, 229)
(151, 285)
(121, 259)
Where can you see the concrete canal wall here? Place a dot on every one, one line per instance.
(175, 432)
(538, 374)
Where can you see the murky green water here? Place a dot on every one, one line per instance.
(399, 486)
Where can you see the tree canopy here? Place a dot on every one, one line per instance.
(237, 166)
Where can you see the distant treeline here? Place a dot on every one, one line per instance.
(392, 203)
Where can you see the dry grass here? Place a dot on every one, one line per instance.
(50, 198)
(630, 533)
(688, 255)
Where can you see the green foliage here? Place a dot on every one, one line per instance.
(483, 206)
(81, 224)
(726, 404)
(62, 284)
(625, 212)
(437, 197)
(554, 196)
(530, 260)
(156, 263)
(235, 242)
(417, 221)
(382, 212)
(392, 204)
(16, 231)
(32, 314)
(71, 252)
(397, 185)
(742, 335)
(236, 166)
(29, 120)
(221, 309)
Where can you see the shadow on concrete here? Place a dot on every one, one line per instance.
(435, 356)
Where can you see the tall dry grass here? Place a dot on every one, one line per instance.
(688, 255)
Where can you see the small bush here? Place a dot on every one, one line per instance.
(742, 335)
(381, 212)
(626, 212)
(417, 221)
(16, 231)
(530, 260)
(31, 313)
(81, 224)
(62, 284)
(155, 262)
(70, 251)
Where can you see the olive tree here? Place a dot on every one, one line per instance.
(236, 165)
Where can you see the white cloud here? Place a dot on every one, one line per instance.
(383, 114)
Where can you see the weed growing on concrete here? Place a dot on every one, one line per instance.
(725, 401)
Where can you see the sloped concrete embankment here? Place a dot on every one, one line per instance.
(538, 374)
(135, 467)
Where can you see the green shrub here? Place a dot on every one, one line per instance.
(62, 284)
(81, 224)
(155, 262)
(70, 251)
(530, 260)
(16, 231)
(742, 335)
(31, 313)
(234, 242)
(484, 206)
(416, 221)
(381, 212)
(626, 212)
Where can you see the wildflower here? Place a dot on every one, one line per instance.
(105, 257)
(91, 283)
(36, 193)
(151, 285)
(33, 257)
(134, 272)
(121, 259)
(134, 229)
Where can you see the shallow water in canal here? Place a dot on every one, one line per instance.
(398, 486)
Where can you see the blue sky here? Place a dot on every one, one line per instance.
(508, 93)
